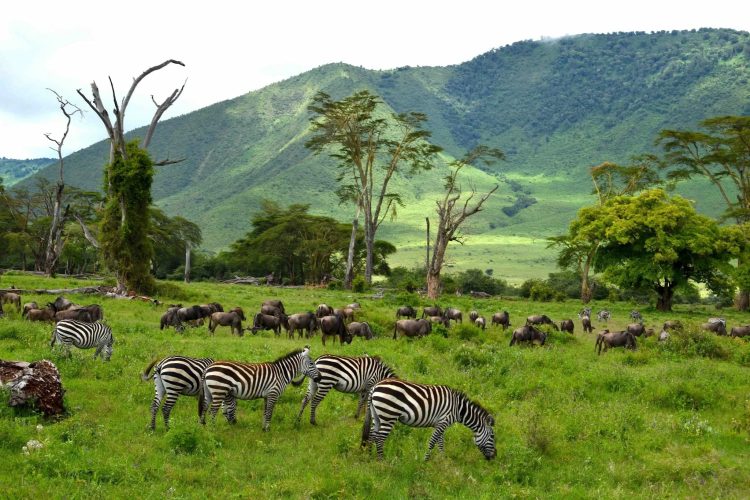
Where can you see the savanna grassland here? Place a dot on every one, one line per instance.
(667, 420)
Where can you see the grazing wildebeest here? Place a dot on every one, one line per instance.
(302, 322)
(275, 303)
(412, 328)
(61, 304)
(334, 325)
(232, 318)
(604, 315)
(716, 325)
(541, 319)
(637, 329)
(635, 315)
(169, 318)
(454, 314)
(406, 312)
(28, 307)
(11, 298)
(270, 310)
(347, 313)
(672, 324)
(567, 325)
(192, 313)
(95, 310)
(46, 314)
(528, 333)
(481, 322)
(266, 322)
(431, 311)
(354, 305)
(323, 310)
(586, 322)
(360, 329)
(586, 311)
(439, 319)
(607, 340)
(501, 318)
(473, 315)
(75, 314)
(740, 331)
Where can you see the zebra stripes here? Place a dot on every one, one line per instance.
(420, 405)
(174, 376)
(345, 374)
(227, 381)
(83, 335)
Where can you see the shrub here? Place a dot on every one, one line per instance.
(359, 284)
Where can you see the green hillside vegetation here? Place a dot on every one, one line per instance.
(666, 420)
(555, 107)
(14, 171)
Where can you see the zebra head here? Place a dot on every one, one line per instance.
(307, 365)
(484, 437)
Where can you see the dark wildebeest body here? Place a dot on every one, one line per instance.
(302, 322)
(75, 314)
(12, 298)
(431, 311)
(406, 312)
(740, 331)
(360, 329)
(192, 313)
(323, 310)
(439, 319)
(231, 318)
(270, 310)
(637, 329)
(275, 303)
(266, 322)
(501, 318)
(540, 319)
(716, 325)
(454, 314)
(412, 328)
(672, 324)
(567, 325)
(334, 325)
(586, 322)
(473, 315)
(29, 306)
(95, 310)
(169, 318)
(46, 314)
(481, 322)
(607, 340)
(347, 313)
(527, 333)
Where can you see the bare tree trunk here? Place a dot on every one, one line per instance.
(187, 262)
(349, 276)
(586, 292)
(370, 250)
(54, 240)
(427, 257)
(664, 301)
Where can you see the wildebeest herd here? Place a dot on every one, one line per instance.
(387, 398)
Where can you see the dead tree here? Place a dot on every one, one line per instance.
(37, 385)
(452, 214)
(54, 241)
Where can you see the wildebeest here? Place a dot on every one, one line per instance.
(481, 322)
(431, 311)
(232, 318)
(333, 325)
(454, 314)
(323, 310)
(412, 328)
(61, 304)
(607, 339)
(275, 303)
(406, 312)
(528, 333)
(46, 314)
(302, 322)
(271, 310)
(567, 325)
(28, 307)
(501, 318)
(266, 322)
(95, 310)
(604, 315)
(354, 305)
(11, 298)
(586, 322)
(637, 329)
(473, 315)
(541, 319)
(672, 324)
(347, 313)
(740, 331)
(75, 314)
(716, 325)
(439, 319)
(169, 318)
(192, 313)
(360, 329)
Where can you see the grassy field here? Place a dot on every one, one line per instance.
(667, 420)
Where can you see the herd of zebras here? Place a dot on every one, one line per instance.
(387, 398)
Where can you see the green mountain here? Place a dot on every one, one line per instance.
(14, 171)
(555, 107)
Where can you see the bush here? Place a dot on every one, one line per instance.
(542, 292)
(359, 284)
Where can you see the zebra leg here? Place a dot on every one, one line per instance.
(379, 435)
(437, 437)
(270, 402)
(362, 400)
(312, 388)
(158, 394)
(230, 409)
(166, 410)
(317, 399)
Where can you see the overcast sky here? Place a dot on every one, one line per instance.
(231, 48)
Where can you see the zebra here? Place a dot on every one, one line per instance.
(84, 336)
(418, 405)
(227, 381)
(586, 311)
(636, 316)
(345, 374)
(174, 376)
(604, 315)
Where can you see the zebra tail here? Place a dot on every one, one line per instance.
(299, 382)
(54, 337)
(367, 424)
(145, 375)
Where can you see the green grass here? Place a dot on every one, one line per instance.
(663, 421)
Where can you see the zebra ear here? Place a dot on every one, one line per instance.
(306, 350)
(491, 421)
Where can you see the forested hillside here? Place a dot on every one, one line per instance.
(14, 171)
(555, 107)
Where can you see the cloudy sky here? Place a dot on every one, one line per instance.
(231, 48)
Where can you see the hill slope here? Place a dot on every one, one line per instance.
(556, 107)
(14, 171)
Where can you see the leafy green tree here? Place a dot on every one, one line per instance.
(657, 242)
(719, 153)
(370, 148)
(175, 237)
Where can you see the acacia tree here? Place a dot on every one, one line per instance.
(578, 248)
(660, 243)
(369, 149)
(127, 186)
(452, 213)
(54, 240)
(720, 154)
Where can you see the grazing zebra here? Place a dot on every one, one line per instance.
(227, 381)
(420, 405)
(604, 315)
(84, 336)
(636, 315)
(174, 376)
(345, 374)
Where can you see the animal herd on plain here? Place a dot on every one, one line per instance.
(386, 398)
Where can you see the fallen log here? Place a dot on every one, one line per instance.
(246, 280)
(36, 385)
(85, 289)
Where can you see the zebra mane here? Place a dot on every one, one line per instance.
(386, 366)
(482, 409)
(287, 356)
